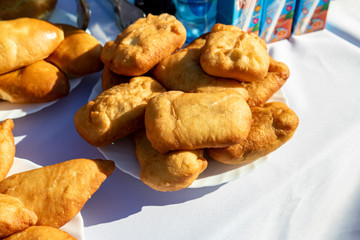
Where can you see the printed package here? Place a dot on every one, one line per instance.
(246, 14)
(277, 18)
(310, 16)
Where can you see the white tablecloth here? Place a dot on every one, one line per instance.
(308, 189)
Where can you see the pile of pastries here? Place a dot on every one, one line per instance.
(186, 105)
(34, 204)
(182, 105)
(37, 59)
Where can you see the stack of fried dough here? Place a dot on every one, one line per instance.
(36, 203)
(209, 97)
(37, 59)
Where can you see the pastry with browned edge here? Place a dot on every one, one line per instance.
(182, 71)
(261, 90)
(172, 171)
(116, 112)
(143, 44)
(272, 125)
(230, 52)
(7, 147)
(56, 193)
(14, 217)
(177, 121)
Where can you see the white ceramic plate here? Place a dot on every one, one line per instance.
(76, 226)
(122, 152)
(15, 110)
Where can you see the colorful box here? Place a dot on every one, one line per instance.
(276, 21)
(310, 16)
(246, 14)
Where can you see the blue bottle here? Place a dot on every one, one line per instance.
(198, 16)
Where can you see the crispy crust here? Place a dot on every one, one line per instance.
(143, 44)
(14, 217)
(272, 125)
(261, 90)
(182, 71)
(56, 193)
(231, 53)
(172, 171)
(116, 112)
(176, 121)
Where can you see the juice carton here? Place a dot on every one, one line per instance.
(277, 18)
(310, 16)
(245, 14)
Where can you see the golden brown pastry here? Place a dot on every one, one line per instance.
(182, 71)
(116, 112)
(172, 171)
(26, 40)
(56, 193)
(11, 9)
(78, 54)
(261, 90)
(177, 121)
(272, 126)
(110, 79)
(41, 233)
(230, 52)
(143, 44)
(38, 82)
(14, 217)
(7, 147)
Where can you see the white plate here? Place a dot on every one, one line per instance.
(76, 226)
(122, 152)
(17, 110)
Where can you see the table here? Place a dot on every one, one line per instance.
(308, 189)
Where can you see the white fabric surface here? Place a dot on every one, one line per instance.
(308, 189)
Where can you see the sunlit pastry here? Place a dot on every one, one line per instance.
(41, 233)
(272, 126)
(38, 82)
(7, 147)
(143, 44)
(56, 193)
(230, 52)
(116, 112)
(176, 121)
(26, 40)
(261, 90)
(182, 71)
(78, 54)
(14, 217)
(172, 171)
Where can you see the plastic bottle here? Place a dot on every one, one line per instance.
(198, 16)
